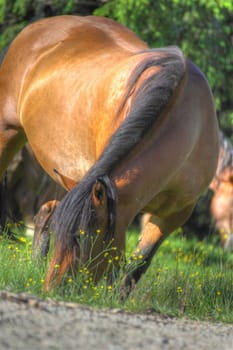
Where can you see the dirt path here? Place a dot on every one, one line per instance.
(28, 323)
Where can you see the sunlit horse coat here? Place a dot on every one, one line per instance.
(124, 128)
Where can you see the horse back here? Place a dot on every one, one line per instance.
(82, 35)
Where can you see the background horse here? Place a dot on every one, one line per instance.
(124, 128)
(222, 186)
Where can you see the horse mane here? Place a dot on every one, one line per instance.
(75, 211)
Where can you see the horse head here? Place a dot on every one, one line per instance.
(90, 231)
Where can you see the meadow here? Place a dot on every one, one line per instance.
(187, 278)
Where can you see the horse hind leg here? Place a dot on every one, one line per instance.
(41, 239)
(3, 201)
(12, 138)
(153, 234)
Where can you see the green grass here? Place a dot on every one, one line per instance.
(187, 278)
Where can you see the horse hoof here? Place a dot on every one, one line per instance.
(126, 287)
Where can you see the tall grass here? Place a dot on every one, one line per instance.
(186, 278)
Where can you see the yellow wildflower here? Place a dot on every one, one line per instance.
(179, 289)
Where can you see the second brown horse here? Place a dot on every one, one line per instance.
(124, 128)
(222, 185)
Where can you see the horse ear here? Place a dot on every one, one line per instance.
(99, 195)
(67, 182)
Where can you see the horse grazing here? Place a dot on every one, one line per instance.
(222, 201)
(124, 128)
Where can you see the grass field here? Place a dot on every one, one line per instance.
(186, 278)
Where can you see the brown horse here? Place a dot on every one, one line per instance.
(222, 186)
(124, 128)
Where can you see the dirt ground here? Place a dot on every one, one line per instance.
(28, 323)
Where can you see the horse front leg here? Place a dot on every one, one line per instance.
(41, 239)
(154, 232)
